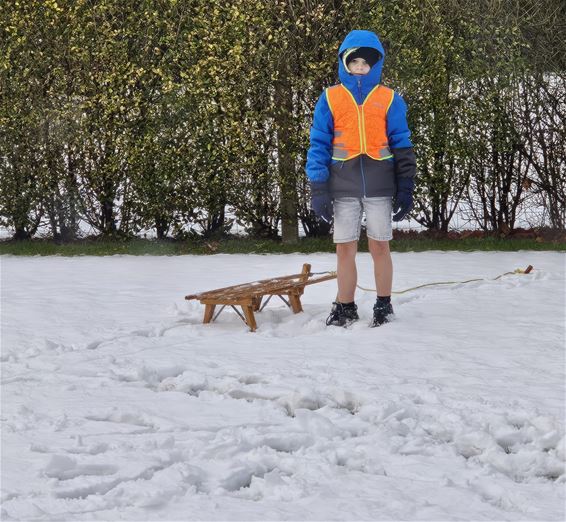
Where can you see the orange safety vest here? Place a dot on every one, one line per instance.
(360, 129)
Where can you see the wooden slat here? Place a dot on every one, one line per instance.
(298, 285)
(250, 285)
(249, 289)
(256, 291)
(312, 281)
(256, 288)
(237, 301)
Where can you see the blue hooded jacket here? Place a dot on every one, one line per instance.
(361, 176)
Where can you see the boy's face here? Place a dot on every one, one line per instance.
(358, 66)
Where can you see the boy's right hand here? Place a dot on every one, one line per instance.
(321, 202)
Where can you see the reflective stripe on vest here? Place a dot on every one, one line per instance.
(360, 129)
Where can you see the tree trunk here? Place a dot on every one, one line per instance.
(286, 162)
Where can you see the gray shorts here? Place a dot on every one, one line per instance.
(348, 213)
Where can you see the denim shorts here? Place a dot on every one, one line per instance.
(348, 213)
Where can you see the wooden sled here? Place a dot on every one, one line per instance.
(249, 296)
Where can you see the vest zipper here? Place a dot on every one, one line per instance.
(362, 122)
(362, 136)
(363, 176)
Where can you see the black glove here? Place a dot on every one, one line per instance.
(403, 202)
(321, 202)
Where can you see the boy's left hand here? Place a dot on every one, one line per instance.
(403, 202)
(402, 205)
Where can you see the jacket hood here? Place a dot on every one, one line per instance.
(361, 38)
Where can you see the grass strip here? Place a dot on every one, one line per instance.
(138, 247)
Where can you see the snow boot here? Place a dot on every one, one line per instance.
(382, 311)
(342, 314)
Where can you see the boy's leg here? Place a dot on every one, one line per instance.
(382, 266)
(346, 271)
(347, 225)
(378, 212)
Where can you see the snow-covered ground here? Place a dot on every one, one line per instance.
(118, 404)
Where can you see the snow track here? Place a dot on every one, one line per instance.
(118, 404)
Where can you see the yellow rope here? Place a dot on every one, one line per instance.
(516, 271)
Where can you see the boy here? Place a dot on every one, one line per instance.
(361, 159)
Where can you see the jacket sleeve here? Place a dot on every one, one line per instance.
(319, 155)
(399, 137)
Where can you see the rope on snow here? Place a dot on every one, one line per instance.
(516, 271)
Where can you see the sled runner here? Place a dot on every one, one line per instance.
(249, 296)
